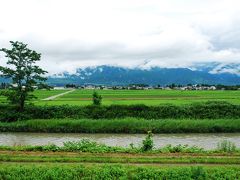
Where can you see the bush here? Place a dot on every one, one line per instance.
(148, 142)
(86, 145)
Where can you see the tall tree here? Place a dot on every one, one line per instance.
(22, 70)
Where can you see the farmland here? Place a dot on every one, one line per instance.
(147, 97)
(128, 97)
(40, 94)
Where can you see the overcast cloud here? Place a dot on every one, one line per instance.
(130, 33)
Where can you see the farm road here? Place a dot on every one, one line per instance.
(58, 95)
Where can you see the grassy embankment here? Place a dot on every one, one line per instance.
(209, 110)
(127, 125)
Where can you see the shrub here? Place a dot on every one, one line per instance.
(97, 99)
(86, 145)
(147, 143)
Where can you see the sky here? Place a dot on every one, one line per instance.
(131, 33)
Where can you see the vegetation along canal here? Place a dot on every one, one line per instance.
(206, 141)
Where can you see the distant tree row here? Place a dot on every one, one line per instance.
(219, 87)
(71, 86)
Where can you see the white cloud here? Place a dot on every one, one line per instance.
(78, 33)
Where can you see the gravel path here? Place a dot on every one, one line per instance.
(58, 95)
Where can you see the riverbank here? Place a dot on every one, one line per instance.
(208, 110)
(126, 125)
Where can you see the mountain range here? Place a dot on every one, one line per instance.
(201, 73)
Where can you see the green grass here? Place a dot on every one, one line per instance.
(40, 94)
(127, 125)
(103, 158)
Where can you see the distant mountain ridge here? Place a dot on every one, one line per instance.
(208, 73)
(201, 73)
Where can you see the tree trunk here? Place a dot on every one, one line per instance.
(21, 104)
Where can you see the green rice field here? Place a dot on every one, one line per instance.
(40, 94)
(127, 97)
(147, 97)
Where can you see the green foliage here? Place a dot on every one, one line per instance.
(226, 146)
(147, 143)
(126, 125)
(97, 99)
(86, 145)
(10, 94)
(210, 110)
(109, 172)
(22, 71)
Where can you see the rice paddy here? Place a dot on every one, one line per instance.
(128, 97)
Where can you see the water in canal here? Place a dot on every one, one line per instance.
(207, 141)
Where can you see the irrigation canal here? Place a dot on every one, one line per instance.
(207, 141)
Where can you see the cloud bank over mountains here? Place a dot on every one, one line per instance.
(128, 33)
